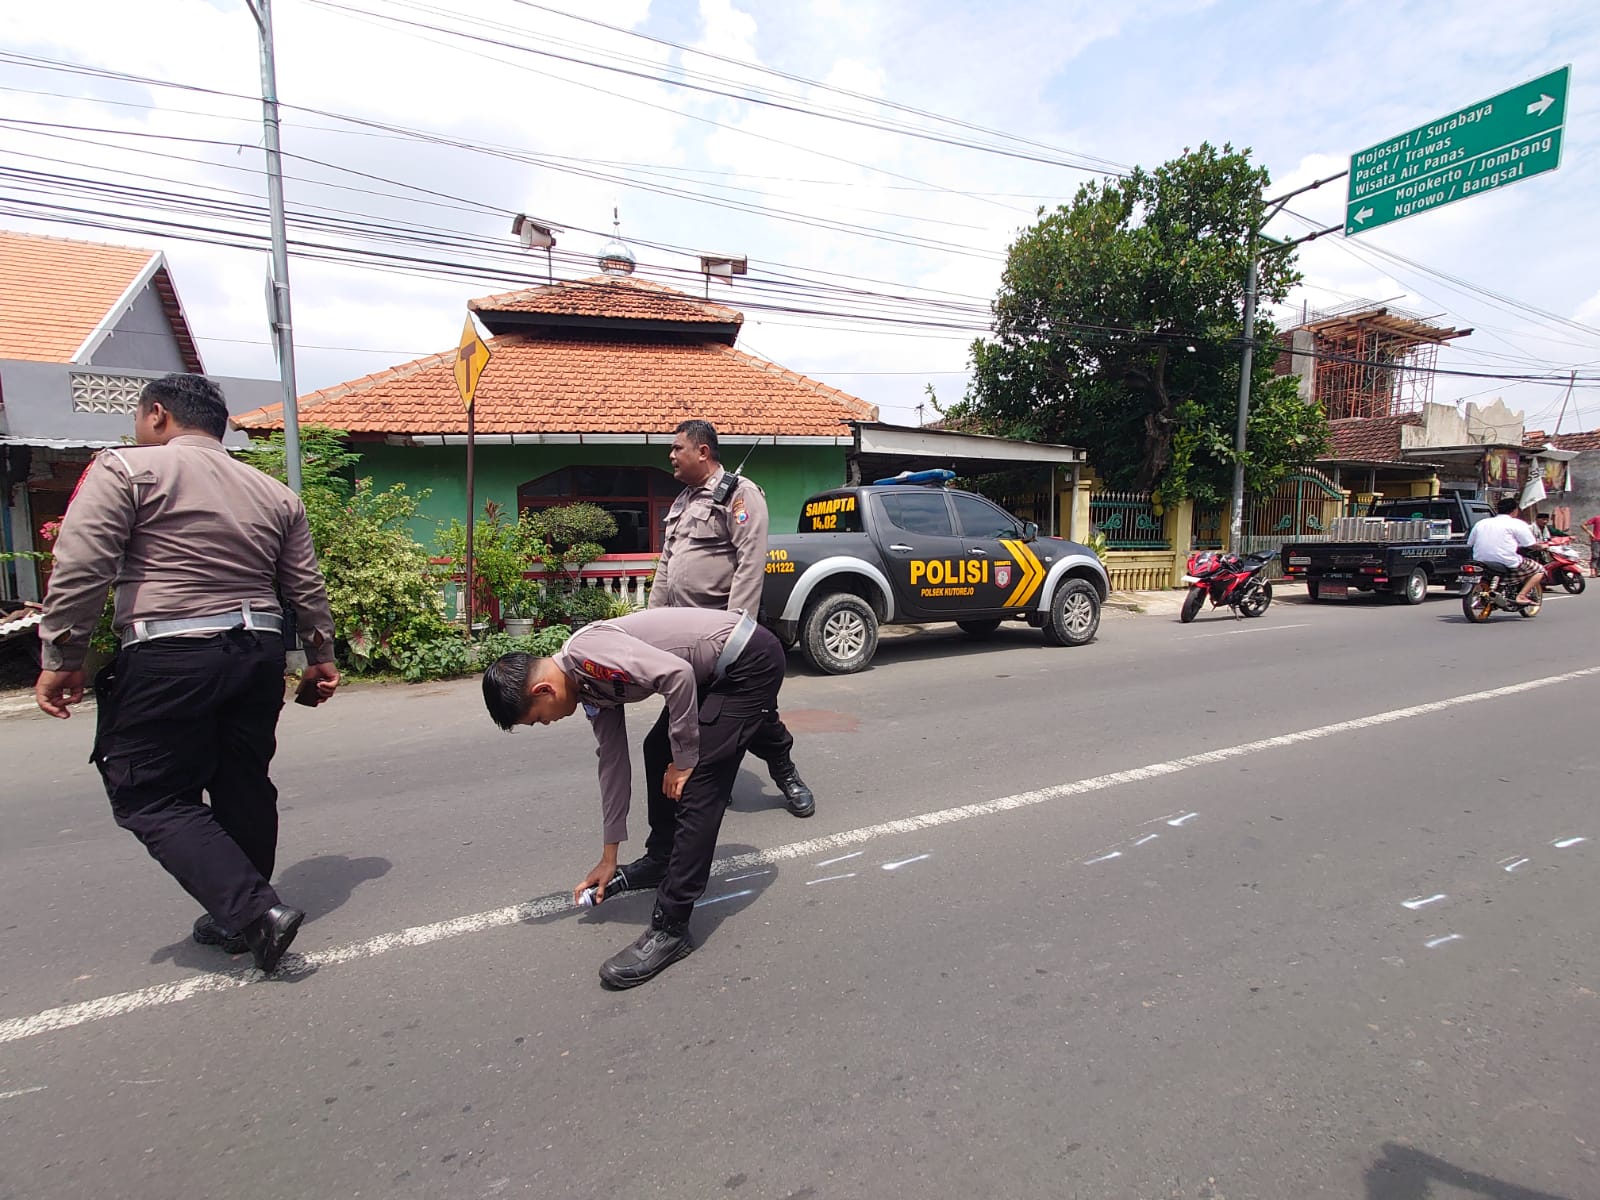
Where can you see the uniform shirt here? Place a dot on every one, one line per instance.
(671, 653)
(181, 530)
(1495, 540)
(714, 555)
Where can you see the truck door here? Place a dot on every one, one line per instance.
(925, 559)
(1011, 570)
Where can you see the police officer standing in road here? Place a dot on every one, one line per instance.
(714, 555)
(198, 546)
(719, 673)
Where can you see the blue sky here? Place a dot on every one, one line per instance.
(1304, 85)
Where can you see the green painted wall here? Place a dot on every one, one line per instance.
(787, 474)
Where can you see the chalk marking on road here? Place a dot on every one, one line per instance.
(1179, 822)
(705, 900)
(1089, 862)
(747, 875)
(831, 878)
(1563, 843)
(1421, 901)
(1195, 637)
(1149, 837)
(828, 862)
(1433, 943)
(905, 862)
(1513, 864)
(68, 1016)
(23, 1092)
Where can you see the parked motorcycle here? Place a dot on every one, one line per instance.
(1561, 566)
(1228, 579)
(1489, 588)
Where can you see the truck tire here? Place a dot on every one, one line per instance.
(979, 628)
(1313, 591)
(1415, 588)
(1074, 614)
(839, 633)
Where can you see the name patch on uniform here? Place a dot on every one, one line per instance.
(605, 674)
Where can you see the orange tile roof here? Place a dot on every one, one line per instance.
(617, 297)
(539, 384)
(55, 292)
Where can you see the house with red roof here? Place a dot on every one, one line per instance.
(586, 380)
(83, 327)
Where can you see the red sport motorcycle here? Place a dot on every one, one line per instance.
(1228, 579)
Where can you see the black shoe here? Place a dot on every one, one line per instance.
(269, 935)
(641, 873)
(800, 800)
(653, 953)
(208, 933)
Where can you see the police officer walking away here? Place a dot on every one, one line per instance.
(198, 545)
(714, 555)
(719, 673)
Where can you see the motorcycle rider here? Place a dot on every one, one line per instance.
(1498, 540)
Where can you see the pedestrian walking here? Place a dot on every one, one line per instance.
(719, 673)
(714, 555)
(198, 547)
(1592, 527)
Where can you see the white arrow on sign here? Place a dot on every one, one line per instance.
(1538, 107)
(1361, 217)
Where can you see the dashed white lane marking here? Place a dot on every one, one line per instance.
(1089, 862)
(23, 1092)
(1179, 822)
(1149, 837)
(1563, 843)
(1433, 943)
(831, 878)
(905, 862)
(1195, 637)
(1515, 863)
(828, 862)
(71, 1015)
(705, 900)
(1422, 901)
(747, 875)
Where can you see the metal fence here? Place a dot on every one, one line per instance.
(1205, 533)
(1303, 508)
(1128, 520)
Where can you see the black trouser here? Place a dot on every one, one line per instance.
(773, 744)
(182, 716)
(684, 835)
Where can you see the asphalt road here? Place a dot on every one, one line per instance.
(1297, 907)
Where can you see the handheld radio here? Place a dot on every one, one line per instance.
(729, 483)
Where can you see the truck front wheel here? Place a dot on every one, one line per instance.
(1074, 614)
(839, 634)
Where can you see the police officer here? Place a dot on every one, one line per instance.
(719, 673)
(198, 546)
(714, 555)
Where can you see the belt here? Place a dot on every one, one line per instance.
(737, 641)
(242, 618)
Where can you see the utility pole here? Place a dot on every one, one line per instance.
(278, 283)
(1247, 359)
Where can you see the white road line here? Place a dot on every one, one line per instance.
(705, 900)
(1420, 901)
(831, 878)
(1195, 637)
(1512, 866)
(71, 1015)
(828, 862)
(1180, 822)
(1563, 843)
(905, 862)
(1433, 943)
(747, 875)
(1089, 862)
(23, 1092)
(1149, 837)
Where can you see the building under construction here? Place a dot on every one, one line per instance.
(1367, 361)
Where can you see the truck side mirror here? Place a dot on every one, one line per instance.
(1030, 531)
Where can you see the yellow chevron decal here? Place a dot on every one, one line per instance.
(1032, 573)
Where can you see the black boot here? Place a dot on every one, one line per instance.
(269, 935)
(208, 933)
(658, 947)
(641, 873)
(798, 796)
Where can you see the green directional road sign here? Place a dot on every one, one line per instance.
(1487, 145)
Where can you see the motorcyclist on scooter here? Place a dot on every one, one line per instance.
(1497, 540)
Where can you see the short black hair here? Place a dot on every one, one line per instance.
(701, 433)
(505, 687)
(193, 400)
(1507, 506)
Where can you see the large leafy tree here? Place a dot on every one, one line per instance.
(1117, 329)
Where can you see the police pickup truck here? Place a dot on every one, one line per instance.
(901, 553)
(1402, 568)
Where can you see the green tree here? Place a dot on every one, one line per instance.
(1117, 328)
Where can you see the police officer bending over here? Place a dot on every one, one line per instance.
(197, 545)
(715, 556)
(720, 673)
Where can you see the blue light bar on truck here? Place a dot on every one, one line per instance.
(917, 477)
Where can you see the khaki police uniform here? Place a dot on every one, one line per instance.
(719, 673)
(715, 556)
(198, 546)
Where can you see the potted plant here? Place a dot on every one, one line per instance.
(521, 606)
